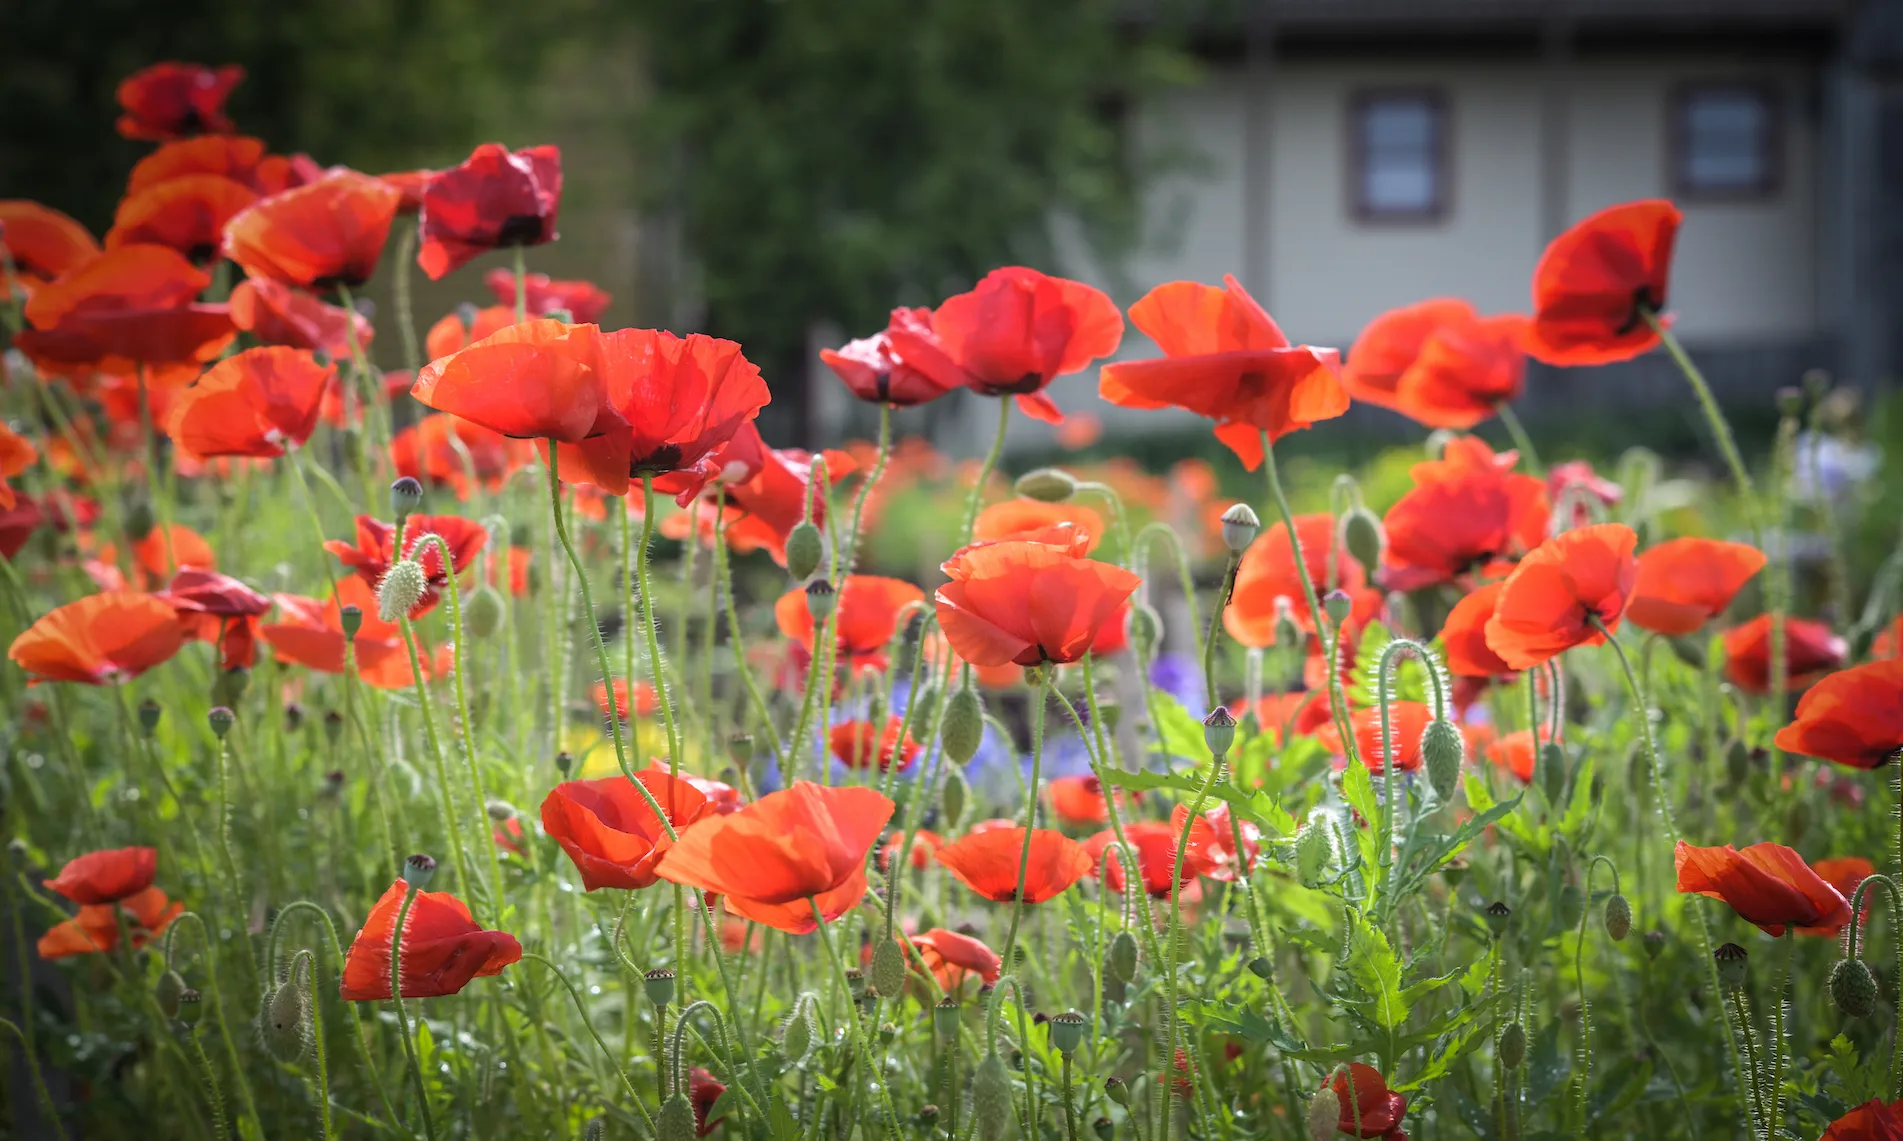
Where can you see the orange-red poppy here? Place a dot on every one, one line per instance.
(779, 857)
(107, 876)
(496, 198)
(765, 492)
(1030, 518)
(17, 453)
(1811, 650)
(925, 846)
(1463, 636)
(443, 948)
(173, 100)
(464, 327)
(261, 402)
(130, 306)
(952, 958)
(1296, 713)
(646, 700)
(1155, 844)
(218, 609)
(375, 550)
(276, 314)
(1011, 335)
(1390, 344)
(1469, 513)
(319, 236)
(310, 633)
(434, 448)
(862, 745)
(989, 861)
(235, 157)
(1027, 602)
(1078, 800)
(608, 829)
(1212, 837)
(1596, 281)
(1562, 593)
(187, 214)
(1889, 641)
(583, 301)
(103, 639)
(95, 930)
(540, 379)
(1874, 1120)
(160, 551)
(866, 617)
(678, 401)
(41, 242)
(1407, 721)
(872, 368)
(1516, 753)
(1269, 585)
(1853, 717)
(1684, 583)
(1766, 884)
(1367, 1107)
(1439, 362)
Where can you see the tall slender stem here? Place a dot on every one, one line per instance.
(1714, 416)
(403, 1015)
(1331, 637)
(1521, 440)
(1039, 698)
(990, 465)
(656, 665)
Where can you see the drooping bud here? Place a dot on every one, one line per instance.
(1324, 1113)
(149, 713)
(1047, 485)
(888, 969)
(1732, 960)
(1339, 606)
(165, 992)
(991, 1098)
(803, 550)
(1219, 732)
(821, 600)
(402, 588)
(229, 686)
(1497, 915)
(951, 798)
(283, 1020)
(1146, 626)
(483, 613)
(1512, 1045)
(1066, 1031)
(963, 728)
(1552, 770)
(659, 985)
(1443, 752)
(1618, 917)
(221, 720)
(418, 871)
(1122, 960)
(191, 1006)
(676, 1120)
(1853, 988)
(1363, 537)
(1240, 526)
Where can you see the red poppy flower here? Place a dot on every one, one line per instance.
(1853, 717)
(1031, 518)
(1390, 344)
(1297, 713)
(1595, 280)
(1439, 362)
(607, 828)
(164, 549)
(1014, 333)
(219, 609)
(1026, 602)
(988, 863)
(41, 242)
(95, 930)
(1225, 359)
(375, 550)
(1684, 583)
(465, 327)
(1155, 844)
(853, 745)
(1463, 636)
(102, 639)
(1515, 753)
(540, 379)
(129, 306)
(310, 633)
(584, 301)
(496, 198)
(1766, 884)
(1547, 605)
(1364, 1098)
(872, 368)
(17, 453)
(410, 184)
(1874, 1120)
(1461, 521)
(1268, 584)
(866, 618)
(1078, 800)
(187, 214)
(235, 157)
(646, 700)
(108, 876)
(443, 949)
(678, 400)
(1407, 720)
(775, 858)
(1213, 841)
(261, 402)
(172, 100)
(952, 958)
(1810, 651)
(328, 233)
(925, 846)
(433, 450)
(276, 314)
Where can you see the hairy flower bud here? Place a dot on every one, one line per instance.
(821, 600)
(1261, 967)
(991, 1098)
(1324, 1112)
(1240, 526)
(963, 727)
(418, 871)
(1512, 1045)
(888, 969)
(1618, 917)
(1047, 485)
(1122, 960)
(402, 588)
(803, 550)
(1853, 988)
(1219, 732)
(1364, 537)
(191, 1006)
(1552, 771)
(951, 798)
(676, 1120)
(165, 992)
(406, 495)
(799, 1032)
(483, 613)
(283, 1022)
(1443, 751)
(1732, 960)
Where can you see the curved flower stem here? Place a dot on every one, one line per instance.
(1119, 518)
(1159, 530)
(336, 948)
(977, 500)
(738, 644)
(1714, 417)
(1521, 440)
(212, 1091)
(581, 1008)
(39, 1081)
(1384, 686)
(1215, 626)
(402, 1015)
(307, 960)
(1896, 932)
(1040, 696)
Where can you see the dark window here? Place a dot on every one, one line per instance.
(1725, 141)
(1398, 156)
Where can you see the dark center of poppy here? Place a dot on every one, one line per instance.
(661, 460)
(520, 230)
(1252, 384)
(201, 253)
(1028, 383)
(1643, 305)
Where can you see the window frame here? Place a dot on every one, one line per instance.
(1678, 141)
(1441, 206)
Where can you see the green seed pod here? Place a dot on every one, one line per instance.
(1512, 1045)
(283, 1022)
(991, 1098)
(1732, 961)
(740, 749)
(963, 727)
(1443, 751)
(1240, 527)
(676, 1120)
(564, 763)
(191, 1006)
(888, 1033)
(1853, 988)
(1219, 732)
(403, 586)
(221, 720)
(1116, 1090)
(951, 798)
(1552, 771)
(1122, 960)
(803, 550)
(888, 969)
(1618, 917)
(927, 1116)
(1047, 485)
(229, 686)
(1104, 1128)
(659, 984)
(165, 992)
(799, 1032)
(945, 1017)
(821, 600)
(1338, 604)
(1364, 537)
(1653, 941)
(1066, 1031)
(1261, 968)
(418, 871)
(406, 495)
(149, 713)
(483, 613)
(1498, 915)
(1324, 1113)
(856, 982)
(333, 725)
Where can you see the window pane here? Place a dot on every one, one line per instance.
(1398, 139)
(1727, 141)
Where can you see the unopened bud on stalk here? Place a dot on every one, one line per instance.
(888, 969)
(1146, 626)
(564, 762)
(1314, 853)
(221, 720)
(1653, 941)
(149, 713)
(951, 798)
(1116, 1090)
(350, 620)
(1853, 988)
(597, 1129)
(498, 809)
(333, 784)
(1047, 485)
(229, 686)
(402, 588)
(1104, 1128)
(1324, 1112)
(820, 599)
(676, 1121)
(1552, 770)
(945, 1017)
(1497, 915)
(803, 550)
(1732, 960)
(963, 727)
(1363, 537)
(1066, 1031)
(1219, 732)
(1737, 761)
(482, 614)
(1122, 959)
(1443, 751)
(659, 985)
(1618, 917)
(1261, 968)
(166, 991)
(333, 725)
(283, 1020)
(991, 1098)
(927, 1116)
(418, 871)
(799, 1032)
(191, 1006)
(1240, 526)
(1111, 714)
(1512, 1045)
(888, 1033)
(1288, 633)
(293, 717)
(1338, 605)
(406, 495)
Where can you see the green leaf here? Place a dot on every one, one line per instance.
(1255, 807)
(1357, 788)
(1371, 964)
(1178, 732)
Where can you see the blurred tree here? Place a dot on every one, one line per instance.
(829, 161)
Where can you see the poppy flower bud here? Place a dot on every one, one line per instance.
(149, 712)
(991, 1098)
(1324, 1112)
(1363, 537)
(799, 1032)
(1853, 988)
(1122, 960)
(676, 1121)
(350, 444)
(1066, 1031)
(333, 784)
(821, 599)
(802, 550)
(1790, 401)
(333, 725)
(1497, 915)
(221, 720)
(740, 749)
(1443, 751)
(1512, 1045)
(350, 620)
(402, 588)
(229, 686)
(191, 1006)
(282, 1022)
(1146, 626)
(888, 969)
(418, 870)
(945, 1017)
(564, 761)
(1314, 853)
(1653, 941)
(482, 614)
(856, 982)
(963, 727)
(1219, 732)
(1104, 1128)
(1552, 771)
(1338, 605)
(1261, 968)
(293, 717)
(659, 984)
(1116, 1090)
(951, 798)
(1732, 960)
(1047, 485)
(1240, 526)
(1737, 761)
(499, 810)
(406, 495)
(165, 992)
(466, 313)
(1618, 917)
(140, 521)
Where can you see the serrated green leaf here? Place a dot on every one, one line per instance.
(1357, 788)
(1371, 964)
(1178, 732)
